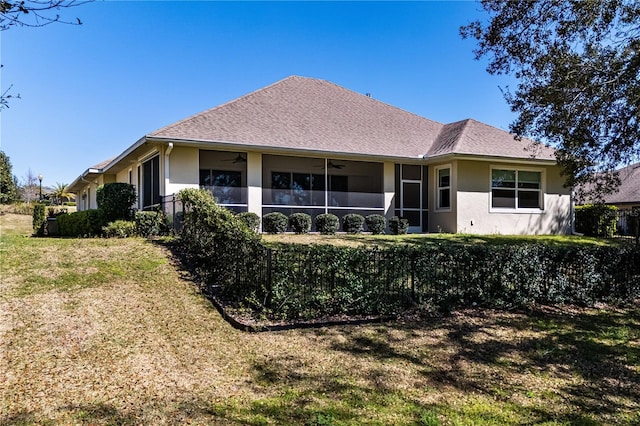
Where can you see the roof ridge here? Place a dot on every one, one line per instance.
(172, 125)
(376, 100)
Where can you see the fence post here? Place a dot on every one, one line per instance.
(269, 285)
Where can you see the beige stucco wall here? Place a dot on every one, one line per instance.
(183, 169)
(442, 220)
(473, 213)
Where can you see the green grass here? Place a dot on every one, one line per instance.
(422, 239)
(96, 331)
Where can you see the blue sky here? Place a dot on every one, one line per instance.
(90, 91)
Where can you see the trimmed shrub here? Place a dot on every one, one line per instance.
(120, 229)
(596, 220)
(376, 223)
(398, 225)
(250, 219)
(116, 200)
(39, 219)
(150, 224)
(274, 223)
(86, 223)
(353, 223)
(300, 223)
(222, 250)
(327, 223)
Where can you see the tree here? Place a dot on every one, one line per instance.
(30, 189)
(60, 193)
(8, 182)
(577, 63)
(34, 13)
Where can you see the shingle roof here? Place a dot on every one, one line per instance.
(309, 114)
(629, 190)
(472, 137)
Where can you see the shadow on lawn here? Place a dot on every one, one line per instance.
(596, 355)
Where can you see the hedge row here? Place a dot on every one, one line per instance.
(326, 280)
(91, 223)
(352, 223)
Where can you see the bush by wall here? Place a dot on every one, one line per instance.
(376, 223)
(222, 250)
(116, 200)
(353, 223)
(250, 219)
(300, 223)
(274, 223)
(596, 220)
(398, 225)
(38, 219)
(86, 223)
(150, 223)
(327, 223)
(120, 229)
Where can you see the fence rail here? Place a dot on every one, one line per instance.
(317, 281)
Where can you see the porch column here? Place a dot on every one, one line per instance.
(389, 186)
(254, 182)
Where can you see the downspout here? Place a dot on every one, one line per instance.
(573, 213)
(167, 152)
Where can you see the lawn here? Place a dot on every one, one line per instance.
(97, 331)
(343, 239)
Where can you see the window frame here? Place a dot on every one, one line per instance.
(439, 189)
(517, 170)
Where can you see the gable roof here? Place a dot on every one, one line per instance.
(629, 189)
(303, 113)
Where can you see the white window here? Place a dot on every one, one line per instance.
(516, 189)
(443, 182)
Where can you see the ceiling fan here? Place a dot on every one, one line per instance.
(332, 165)
(239, 159)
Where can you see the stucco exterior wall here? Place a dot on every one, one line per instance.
(183, 169)
(442, 220)
(474, 215)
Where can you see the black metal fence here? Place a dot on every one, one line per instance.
(309, 282)
(172, 207)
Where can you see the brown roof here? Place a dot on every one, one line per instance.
(629, 189)
(309, 114)
(472, 137)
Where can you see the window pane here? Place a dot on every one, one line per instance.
(503, 179)
(528, 199)
(280, 180)
(410, 172)
(444, 177)
(444, 198)
(529, 180)
(503, 198)
(205, 178)
(225, 178)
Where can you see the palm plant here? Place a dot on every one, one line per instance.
(60, 193)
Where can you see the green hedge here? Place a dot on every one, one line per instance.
(300, 223)
(274, 223)
(39, 219)
(596, 220)
(116, 200)
(221, 249)
(87, 223)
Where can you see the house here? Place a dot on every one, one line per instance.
(309, 145)
(628, 194)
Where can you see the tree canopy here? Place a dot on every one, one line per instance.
(8, 182)
(577, 63)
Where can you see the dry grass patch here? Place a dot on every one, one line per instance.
(138, 345)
